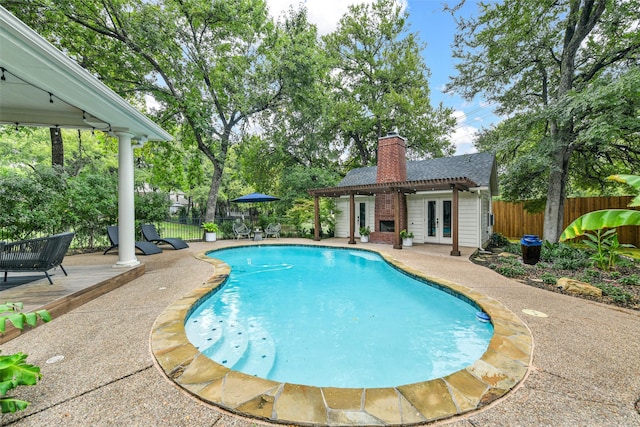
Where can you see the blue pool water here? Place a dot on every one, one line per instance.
(333, 317)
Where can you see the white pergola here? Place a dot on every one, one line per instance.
(41, 86)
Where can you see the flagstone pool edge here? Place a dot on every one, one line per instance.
(504, 365)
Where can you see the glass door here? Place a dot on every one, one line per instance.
(439, 221)
(361, 220)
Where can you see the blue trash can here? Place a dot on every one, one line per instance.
(531, 245)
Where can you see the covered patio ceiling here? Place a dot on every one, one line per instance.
(41, 86)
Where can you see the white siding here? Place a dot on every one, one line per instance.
(416, 217)
(468, 210)
(342, 217)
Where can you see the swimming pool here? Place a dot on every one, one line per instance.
(332, 317)
(501, 368)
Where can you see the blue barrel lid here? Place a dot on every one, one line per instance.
(530, 240)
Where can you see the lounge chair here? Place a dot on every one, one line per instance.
(240, 230)
(147, 248)
(41, 254)
(151, 234)
(272, 230)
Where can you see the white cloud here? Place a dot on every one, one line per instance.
(324, 13)
(151, 103)
(463, 134)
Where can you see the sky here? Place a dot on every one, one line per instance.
(434, 27)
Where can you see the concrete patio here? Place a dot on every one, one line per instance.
(586, 356)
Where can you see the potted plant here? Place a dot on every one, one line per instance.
(364, 234)
(210, 230)
(407, 238)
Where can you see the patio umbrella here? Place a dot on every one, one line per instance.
(255, 198)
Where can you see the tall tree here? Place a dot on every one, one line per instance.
(213, 65)
(543, 60)
(379, 81)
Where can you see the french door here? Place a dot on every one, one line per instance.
(361, 217)
(439, 221)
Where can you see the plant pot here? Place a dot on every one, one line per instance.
(407, 241)
(364, 239)
(210, 237)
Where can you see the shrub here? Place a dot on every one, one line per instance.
(509, 270)
(633, 280)
(549, 278)
(497, 240)
(615, 293)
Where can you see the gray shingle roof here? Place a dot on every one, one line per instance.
(478, 167)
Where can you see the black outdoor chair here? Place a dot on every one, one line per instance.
(41, 254)
(147, 248)
(151, 234)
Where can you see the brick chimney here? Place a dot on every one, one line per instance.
(392, 167)
(392, 160)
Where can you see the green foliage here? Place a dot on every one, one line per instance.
(564, 255)
(633, 279)
(511, 270)
(549, 278)
(590, 275)
(404, 234)
(301, 215)
(92, 204)
(32, 200)
(606, 248)
(212, 66)
(564, 72)
(608, 218)
(497, 240)
(379, 81)
(10, 312)
(615, 293)
(227, 229)
(513, 248)
(210, 227)
(152, 207)
(365, 231)
(14, 371)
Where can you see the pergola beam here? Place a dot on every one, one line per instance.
(400, 189)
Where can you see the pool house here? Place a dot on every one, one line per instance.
(441, 201)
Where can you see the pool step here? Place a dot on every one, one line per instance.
(204, 331)
(231, 346)
(245, 347)
(260, 356)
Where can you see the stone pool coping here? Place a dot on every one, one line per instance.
(505, 364)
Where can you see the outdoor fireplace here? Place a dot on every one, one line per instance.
(387, 226)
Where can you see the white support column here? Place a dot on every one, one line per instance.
(126, 209)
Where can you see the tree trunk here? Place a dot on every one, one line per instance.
(57, 149)
(556, 194)
(212, 200)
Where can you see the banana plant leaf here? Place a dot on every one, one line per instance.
(609, 218)
(632, 180)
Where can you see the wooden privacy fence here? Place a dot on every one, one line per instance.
(512, 221)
